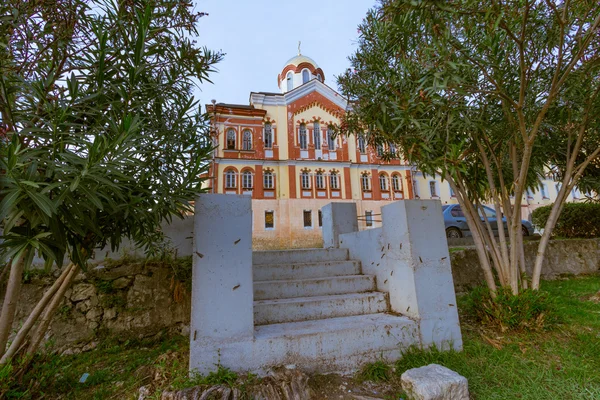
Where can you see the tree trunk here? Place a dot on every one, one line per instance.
(13, 291)
(33, 316)
(38, 335)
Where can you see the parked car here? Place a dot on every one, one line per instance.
(456, 223)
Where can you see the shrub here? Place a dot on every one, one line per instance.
(530, 310)
(378, 371)
(577, 220)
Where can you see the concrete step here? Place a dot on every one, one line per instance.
(299, 256)
(318, 307)
(270, 272)
(330, 345)
(286, 289)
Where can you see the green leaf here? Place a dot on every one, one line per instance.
(43, 202)
(8, 202)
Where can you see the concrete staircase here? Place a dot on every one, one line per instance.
(318, 304)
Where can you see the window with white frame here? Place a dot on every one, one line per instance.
(305, 76)
(319, 77)
(320, 180)
(230, 145)
(452, 194)
(544, 190)
(334, 181)
(317, 135)
(415, 186)
(268, 180)
(269, 219)
(392, 149)
(362, 145)
(247, 140)
(230, 179)
(433, 189)
(268, 136)
(383, 183)
(247, 180)
(529, 194)
(557, 186)
(302, 139)
(380, 150)
(330, 139)
(369, 218)
(365, 182)
(305, 180)
(290, 81)
(396, 183)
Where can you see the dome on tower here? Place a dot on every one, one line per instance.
(299, 59)
(297, 71)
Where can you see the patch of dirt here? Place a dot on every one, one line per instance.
(595, 298)
(333, 386)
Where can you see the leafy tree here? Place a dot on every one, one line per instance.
(488, 95)
(101, 136)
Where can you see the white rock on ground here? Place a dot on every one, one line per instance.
(434, 382)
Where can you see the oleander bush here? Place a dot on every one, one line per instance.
(577, 220)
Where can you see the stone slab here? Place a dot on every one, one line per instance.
(434, 382)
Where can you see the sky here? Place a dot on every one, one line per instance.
(259, 36)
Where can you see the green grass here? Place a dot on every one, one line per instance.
(562, 363)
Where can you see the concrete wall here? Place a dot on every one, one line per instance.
(409, 257)
(574, 256)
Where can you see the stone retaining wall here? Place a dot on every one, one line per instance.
(130, 301)
(573, 256)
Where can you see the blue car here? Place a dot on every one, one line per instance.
(456, 223)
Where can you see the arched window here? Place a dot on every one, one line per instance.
(290, 81)
(305, 180)
(317, 135)
(365, 182)
(320, 181)
(319, 77)
(383, 182)
(230, 179)
(396, 183)
(334, 181)
(268, 180)
(247, 140)
(230, 139)
(268, 136)
(330, 139)
(305, 76)
(302, 139)
(247, 180)
(362, 145)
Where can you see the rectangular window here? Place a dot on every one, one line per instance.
(305, 181)
(330, 139)
(333, 181)
(307, 218)
(302, 137)
(269, 220)
(369, 218)
(416, 188)
(247, 180)
(268, 180)
(320, 215)
(452, 194)
(320, 181)
(529, 194)
(268, 136)
(433, 189)
(317, 135)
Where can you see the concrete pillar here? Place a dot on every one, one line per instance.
(338, 218)
(421, 284)
(222, 286)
